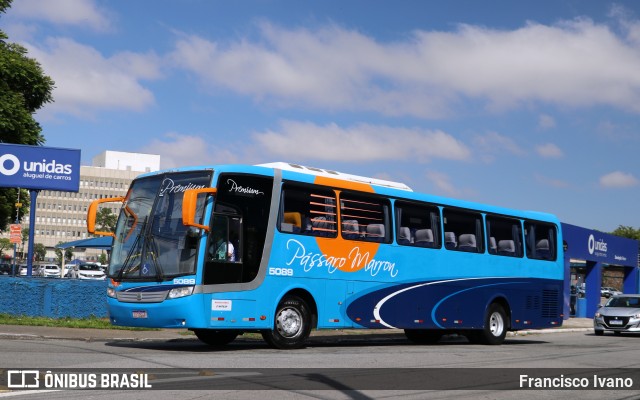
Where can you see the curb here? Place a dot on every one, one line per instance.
(539, 331)
(319, 335)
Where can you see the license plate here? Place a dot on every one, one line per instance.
(140, 314)
(615, 322)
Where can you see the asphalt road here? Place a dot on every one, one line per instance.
(352, 367)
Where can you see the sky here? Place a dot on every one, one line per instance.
(529, 105)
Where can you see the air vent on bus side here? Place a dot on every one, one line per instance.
(533, 303)
(550, 300)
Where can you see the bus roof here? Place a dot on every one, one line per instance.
(336, 175)
(388, 187)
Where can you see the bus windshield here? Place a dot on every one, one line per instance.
(151, 243)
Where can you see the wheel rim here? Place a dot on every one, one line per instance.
(496, 324)
(289, 322)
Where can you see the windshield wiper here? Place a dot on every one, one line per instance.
(131, 252)
(152, 250)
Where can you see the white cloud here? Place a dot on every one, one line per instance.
(546, 121)
(359, 143)
(443, 183)
(553, 182)
(85, 80)
(489, 145)
(618, 179)
(629, 25)
(575, 63)
(179, 150)
(63, 12)
(306, 142)
(549, 150)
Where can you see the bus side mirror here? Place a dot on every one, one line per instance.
(190, 206)
(92, 212)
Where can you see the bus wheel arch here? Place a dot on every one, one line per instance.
(497, 321)
(294, 317)
(506, 308)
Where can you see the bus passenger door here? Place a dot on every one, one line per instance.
(223, 261)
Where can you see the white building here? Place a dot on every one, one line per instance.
(121, 161)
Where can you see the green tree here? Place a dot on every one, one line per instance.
(24, 88)
(106, 220)
(40, 251)
(25, 240)
(103, 259)
(9, 196)
(4, 244)
(68, 254)
(627, 232)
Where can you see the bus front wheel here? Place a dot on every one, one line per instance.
(292, 324)
(214, 337)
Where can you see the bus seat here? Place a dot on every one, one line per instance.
(350, 229)
(295, 219)
(493, 246)
(542, 249)
(424, 238)
(307, 226)
(467, 242)
(506, 248)
(404, 235)
(375, 232)
(450, 240)
(321, 227)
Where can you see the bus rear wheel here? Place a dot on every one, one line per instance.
(292, 324)
(214, 337)
(495, 326)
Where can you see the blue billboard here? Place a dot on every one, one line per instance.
(37, 167)
(590, 245)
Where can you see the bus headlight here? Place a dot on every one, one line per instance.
(111, 292)
(176, 293)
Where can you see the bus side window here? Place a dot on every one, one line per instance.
(463, 230)
(505, 236)
(365, 218)
(541, 239)
(308, 210)
(417, 224)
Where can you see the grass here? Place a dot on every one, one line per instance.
(91, 322)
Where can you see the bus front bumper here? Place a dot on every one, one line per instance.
(173, 313)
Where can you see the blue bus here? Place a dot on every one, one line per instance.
(282, 249)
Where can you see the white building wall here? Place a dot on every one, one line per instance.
(127, 161)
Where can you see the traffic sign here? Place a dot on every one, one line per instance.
(15, 233)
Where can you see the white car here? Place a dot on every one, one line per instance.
(35, 270)
(91, 271)
(50, 271)
(609, 291)
(70, 271)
